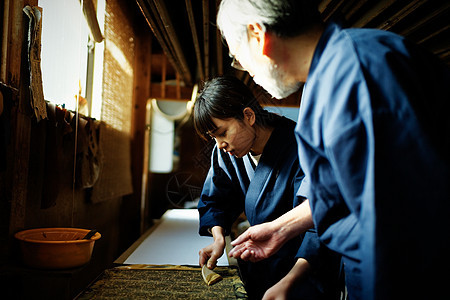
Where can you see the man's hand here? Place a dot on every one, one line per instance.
(263, 240)
(258, 242)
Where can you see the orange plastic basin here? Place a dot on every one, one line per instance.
(55, 248)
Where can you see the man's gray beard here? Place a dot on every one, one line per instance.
(272, 82)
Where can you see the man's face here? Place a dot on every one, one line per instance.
(264, 70)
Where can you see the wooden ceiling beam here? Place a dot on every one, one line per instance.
(323, 5)
(426, 19)
(434, 34)
(173, 39)
(352, 7)
(198, 54)
(219, 46)
(329, 7)
(401, 14)
(205, 8)
(163, 78)
(376, 10)
(445, 55)
(155, 25)
(158, 19)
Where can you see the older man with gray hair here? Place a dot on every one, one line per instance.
(373, 137)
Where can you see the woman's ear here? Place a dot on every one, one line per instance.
(249, 116)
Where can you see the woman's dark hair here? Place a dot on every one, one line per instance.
(223, 98)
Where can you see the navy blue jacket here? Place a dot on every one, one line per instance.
(233, 186)
(374, 143)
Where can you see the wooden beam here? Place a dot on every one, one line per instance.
(145, 159)
(205, 7)
(6, 37)
(171, 92)
(219, 47)
(352, 7)
(373, 12)
(91, 18)
(155, 27)
(445, 56)
(328, 8)
(174, 42)
(433, 34)
(12, 38)
(139, 144)
(401, 14)
(169, 50)
(198, 54)
(11, 73)
(151, 15)
(323, 5)
(178, 86)
(163, 77)
(422, 22)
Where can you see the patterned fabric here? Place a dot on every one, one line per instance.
(164, 282)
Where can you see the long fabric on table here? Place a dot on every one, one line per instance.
(154, 282)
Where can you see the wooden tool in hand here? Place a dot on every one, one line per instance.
(209, 276)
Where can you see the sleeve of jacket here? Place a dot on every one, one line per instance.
(221, 200)
(318, 255)
(310, 248)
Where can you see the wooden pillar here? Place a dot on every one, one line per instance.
(142, 90)
(13, 66)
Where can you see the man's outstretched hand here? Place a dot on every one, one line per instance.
(258, 242)
(263, 240)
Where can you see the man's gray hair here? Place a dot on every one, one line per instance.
(285, 18)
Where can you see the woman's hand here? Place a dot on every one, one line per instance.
(211, 253)
(280, 291)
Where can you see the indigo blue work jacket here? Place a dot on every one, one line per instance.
(374, 137)
(265, 193)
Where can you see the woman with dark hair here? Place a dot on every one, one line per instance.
(255, 168)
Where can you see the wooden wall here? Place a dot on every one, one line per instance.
(117, 219)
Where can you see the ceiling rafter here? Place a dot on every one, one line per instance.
(401, 14)
(205, 9)
(219, 47)
(159, 21)
(198, 54)
(373, 12)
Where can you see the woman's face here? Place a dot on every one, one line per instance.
(234, 136)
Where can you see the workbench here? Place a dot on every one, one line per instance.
(163, 264)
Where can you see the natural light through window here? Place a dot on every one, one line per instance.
(72, 63)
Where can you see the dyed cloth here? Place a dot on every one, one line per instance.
(176, 283)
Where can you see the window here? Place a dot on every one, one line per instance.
(72, 63)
